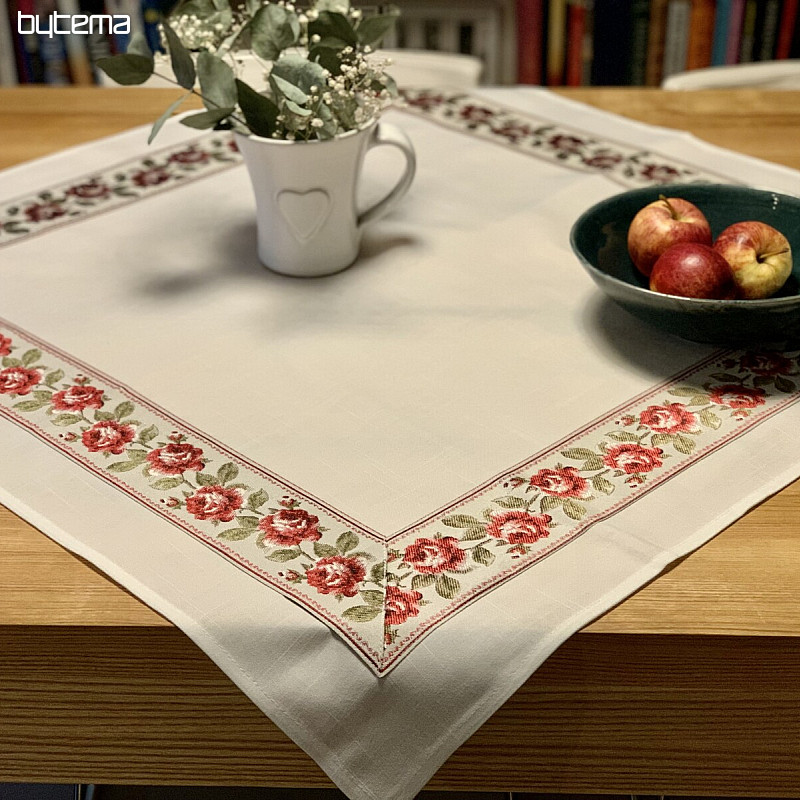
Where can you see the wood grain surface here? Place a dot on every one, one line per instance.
(692, 685)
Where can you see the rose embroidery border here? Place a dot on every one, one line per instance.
(383, 597)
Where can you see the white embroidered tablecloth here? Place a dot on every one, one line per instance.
(377, 500)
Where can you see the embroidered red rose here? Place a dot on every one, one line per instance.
(76, 398)
(108, 436)
(290, 526)
(476, 113)
(89, 191)
(603, 160)
(40, 212)
(512, 131)
(434, 555)
(633, 458)
(175, 459)
(734, 395)
(150, 177)
(18, 380)
(519, 527)
(5, 345)
(400, 605)
(767, 363)
(566, 144)
(564, 482)
(425, 101)
(659, 173)
(214, 502)
(190, 156)
(336, 575)
(670, 418)
(233, 146)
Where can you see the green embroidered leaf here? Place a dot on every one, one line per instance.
(578, 453)
(660, 439)
(683, 444)
(483, 556)
(685, 391)
(726, 377)
(548, 502)
(204, 479)
(62, 420)
(52, 378)
(447, 586)
(473, 534)
(11, 362)
(699, 400)
(378, 572)
(257, 499)
(784, 384)
(710, 419)
(248, 522)
(122, 466)
(361, 613)
(363, 555)
(372, 597)
(509, 501)
(762, 380)
(137, 456)
(235, 534)
(592, 464)
(103, 416)
(574, 510)
(31, 357)
(346, 542)
(124, 410)
(461, 521)
(227, 472)
(31, 405)
(324, 550)
(622, 436)
(420, 582)
(600, 484)
(148, 434)
(284, 554)
(165, 484)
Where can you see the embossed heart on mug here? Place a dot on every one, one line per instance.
(305, 212)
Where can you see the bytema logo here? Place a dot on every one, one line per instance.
(81, 24)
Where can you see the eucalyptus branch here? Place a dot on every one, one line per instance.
(206, 100)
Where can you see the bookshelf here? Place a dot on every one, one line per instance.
(539, 42)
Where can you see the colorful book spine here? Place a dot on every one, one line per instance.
(734, 31)
(637, 60)
(587, 50)
(31, 66)
(611, 42)
(77, 52)
(556, 42)
(8, 65)
(676, 42)
(656, 33)
(720, 36)
(767, 35)
(530, 39)
(747, 40)
(576, 35)
(701, 34)
(786, 29)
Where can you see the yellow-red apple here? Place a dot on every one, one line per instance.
(691, 269)
(661, 224)
(760, 257)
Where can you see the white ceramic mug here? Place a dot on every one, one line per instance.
(308, 223)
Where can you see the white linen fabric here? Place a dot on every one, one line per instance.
(464, 340)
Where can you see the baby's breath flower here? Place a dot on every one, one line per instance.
(315, 38)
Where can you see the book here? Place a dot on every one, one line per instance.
(587, 50)
(786, 28)
(701, 34)
(52, 49)
(576, 35)
(556, 42)
(637, 58)
(676, 40)
(8, 63)
(611, 42)
(530, 40)
(98, 45)
(656, 32)
(31, 68)
(767, 32)
(747, 40)
(734, 31)
(77, 52)
(720, 36)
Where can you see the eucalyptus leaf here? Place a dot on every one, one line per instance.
(300, 72)
(127, 69)
(342, 6)
(138, 46)
(158, 124)
(298, 110)
(180, 58)
(288, 90)
(217, 83)
(332, 23)
(207, 119)
(272, 30)
(372, 29)
(260, 112)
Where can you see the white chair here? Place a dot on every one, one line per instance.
(783, 74)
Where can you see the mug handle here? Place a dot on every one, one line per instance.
(385, 133)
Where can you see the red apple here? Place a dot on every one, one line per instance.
(760, 257)
(663, 223)
(691, 269)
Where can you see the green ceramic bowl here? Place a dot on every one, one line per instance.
(599, 239)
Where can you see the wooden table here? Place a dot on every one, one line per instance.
(692, 686)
